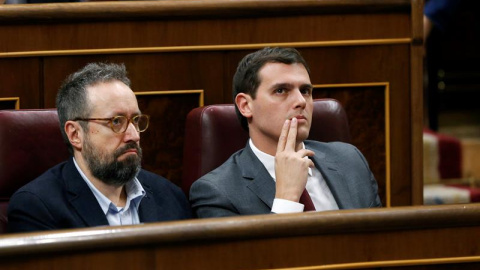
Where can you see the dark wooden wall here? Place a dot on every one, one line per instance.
(367, 54)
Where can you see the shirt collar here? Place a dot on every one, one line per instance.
(134, 189)
(268, 161)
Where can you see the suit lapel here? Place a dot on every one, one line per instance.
(82, 198)
(258, 179)
(148, 210)
(263, 186)
(334, 178)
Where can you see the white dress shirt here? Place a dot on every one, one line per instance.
(316, 186)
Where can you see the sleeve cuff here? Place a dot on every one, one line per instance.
(281, 206)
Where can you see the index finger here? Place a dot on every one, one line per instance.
(282, 140)
(292, 135)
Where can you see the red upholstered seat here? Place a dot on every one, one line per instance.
(30, 143)
(213, 133)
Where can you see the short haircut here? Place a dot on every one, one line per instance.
(246, 79)
(72, 100)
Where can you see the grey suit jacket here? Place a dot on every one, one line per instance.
(242, 185)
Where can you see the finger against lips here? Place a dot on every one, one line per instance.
(292, 135)
(283, 136)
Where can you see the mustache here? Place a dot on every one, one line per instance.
(127, 147)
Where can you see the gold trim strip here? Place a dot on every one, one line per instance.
(391, 263)
(333, 43)
(170, 92)
(16, 99)
(387, 145)
(386, 86)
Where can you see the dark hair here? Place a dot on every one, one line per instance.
(246, 78)
(72, 96)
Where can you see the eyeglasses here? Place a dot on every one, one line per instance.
(119, 123)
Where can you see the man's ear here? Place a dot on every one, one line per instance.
(244, 104)
(75, 134)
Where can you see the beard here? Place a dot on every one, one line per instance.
(107, 168)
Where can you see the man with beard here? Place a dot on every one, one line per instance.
(102, 184)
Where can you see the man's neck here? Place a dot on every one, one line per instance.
(116, 194)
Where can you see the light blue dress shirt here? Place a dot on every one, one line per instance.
(127, 215)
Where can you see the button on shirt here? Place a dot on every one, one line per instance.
(127, 215)
(316, 186)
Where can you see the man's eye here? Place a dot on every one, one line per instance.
(280, 90)
(306, 91)
(117, 121)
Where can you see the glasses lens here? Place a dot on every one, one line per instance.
(119, 123)
(141, 122)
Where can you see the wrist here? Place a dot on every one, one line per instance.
(290, 196)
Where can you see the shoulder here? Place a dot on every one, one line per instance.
(336, 151)
(158, 185)
(229, 180)
(154, 180)
(166, 194)
(45, 193)
(50, 182)
(225, 173)
(145, 176)
(330, 146)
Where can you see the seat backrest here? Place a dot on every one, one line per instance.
(30, 143)
(213, 133)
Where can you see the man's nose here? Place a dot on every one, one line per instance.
(300, 100)
(131, 134)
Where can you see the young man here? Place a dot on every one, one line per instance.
(102, 184)
(278, 170)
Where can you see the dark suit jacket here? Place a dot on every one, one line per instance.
(242, 185)
(60, 199)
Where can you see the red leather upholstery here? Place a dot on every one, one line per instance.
(213, 133)
(30, 143)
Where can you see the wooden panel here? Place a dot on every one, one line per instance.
(416, 101)
(134, 34)
(394, 238)
(181, 23)
(20, 77)
(365, 107)
(196, 9)
(148, 72)
(162, 143)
